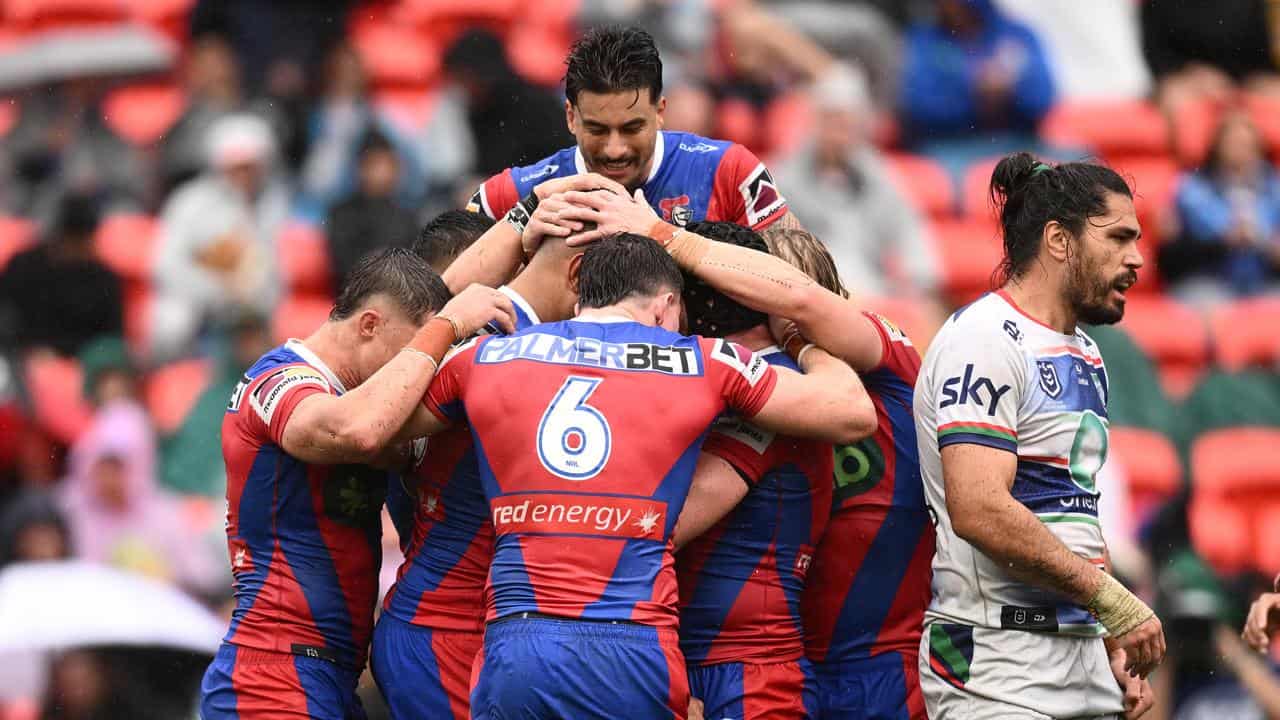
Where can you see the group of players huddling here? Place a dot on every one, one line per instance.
(782, 515)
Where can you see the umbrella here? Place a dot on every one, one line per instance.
(57, 55)
(58, 605)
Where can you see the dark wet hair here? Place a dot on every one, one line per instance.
(444, 238)
(622, 266)
(613, 59)
(1028, 193)
(710, 312)
(400, 275)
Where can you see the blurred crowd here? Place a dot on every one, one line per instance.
(182, 184)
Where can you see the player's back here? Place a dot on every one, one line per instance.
(741, 581)
(304, 540)
(587, 434)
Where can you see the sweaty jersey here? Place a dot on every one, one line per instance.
(869, 583)
(304, 540)
(441, 582)
(586, 434)
(996, 377)
(692, 179)
(741, 581)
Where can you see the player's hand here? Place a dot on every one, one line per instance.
(1143, 647)
(1138, 696)
(546, 222)
(584, 182)
(1263, 621)
(477, 306)
(611, 214)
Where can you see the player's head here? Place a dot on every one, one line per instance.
(1075, 222)
(443, 239)
(631, 271)
(710, 312)
(614, 103)
(382, 303)
(806, 252)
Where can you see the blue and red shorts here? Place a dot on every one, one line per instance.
(549, 668)
(246, 684)
(743, 691)
(883, 687)
(424, 673)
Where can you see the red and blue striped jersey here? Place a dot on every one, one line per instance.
(586, 434)
(442, 579)
(869, 583)
(304, 539)
(692, 179)
(741, 582)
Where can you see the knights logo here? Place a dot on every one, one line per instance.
(1049, 378)
(676, 210)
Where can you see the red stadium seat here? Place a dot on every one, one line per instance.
(924, 182)
(32, 15)
(168, 16)
(142, 114)
(138, 310)
(975, 198)
(788, 120)
(127, 244)
(396, 55)
(299, 315)
(737, 121)
(171, 392)
(16, 235)
(1236, 476)
(1109, 128)
(9, 111)
(1247, 332)
(409, 109)
(1154, 182)
(1173, 335)
(969, 251)
(304, 258)
(1152, 465)
(1194, 125)
(55, 386)
(1265, 113)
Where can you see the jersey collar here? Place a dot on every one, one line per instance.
(521, 303)
(659, 151)
(605, 319)
(297, 348)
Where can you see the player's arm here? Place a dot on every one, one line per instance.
(757, 280)
(717, 488)
(827, 402)
(355, 426)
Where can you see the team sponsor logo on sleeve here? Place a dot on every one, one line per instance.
(698, 147)
(744, 432)
(1049, 381)
(575, 514)
(978, 390)
(760, 194)
(748, 364)
(544, 171)
(891, 329)
(267, 396)
(237, 395)
(676, 210)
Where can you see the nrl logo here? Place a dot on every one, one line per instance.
(1049, 378)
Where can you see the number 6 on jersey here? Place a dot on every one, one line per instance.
(574, 439)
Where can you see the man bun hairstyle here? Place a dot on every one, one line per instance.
(710, 312)
(1028, 193)
(624, 266)
(397, 273)
(613, 59)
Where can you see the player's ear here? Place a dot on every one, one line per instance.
(570, 116)
(1056, 240)
(662, 108)
(368, 321)
(575, 267)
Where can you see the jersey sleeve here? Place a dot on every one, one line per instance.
(495, 196)
(276, 395)
(979, 388)
(897, 354)
(745, 380)
(749, 449)
(444, 397)
(745, 191)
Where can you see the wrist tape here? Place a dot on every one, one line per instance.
(1116, 608)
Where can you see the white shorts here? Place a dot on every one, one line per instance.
(969, 673)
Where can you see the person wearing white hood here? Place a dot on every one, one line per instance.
(216, 253)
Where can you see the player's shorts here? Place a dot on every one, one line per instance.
(424, 674)
(749, 691)
(580, 669)
(977, 673)
(883, 687)
(246, 684)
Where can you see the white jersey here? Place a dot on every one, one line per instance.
(994, 376)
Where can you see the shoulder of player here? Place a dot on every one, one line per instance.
(985, 322)
(691, 145)
(465, 349)
(559, 164)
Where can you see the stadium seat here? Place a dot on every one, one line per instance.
(969, 251)
(304, 258)
(923, 182)
(127, 244)
(738, 121)
(1194, 125)
(55, 387)
(1246, 332)
(16, 235)
(1151, 463)
(975, 199)
(1265, 113)
(1154, 180)
(171, 392)
(788, 120)
(32, 15)
(138, 310)
(1109, 128)
(9, 111)
(142, 114)
(395, 55)
(1236, 476)
(168, 16)
(299, 315)
(408, 109)
(1173, 335)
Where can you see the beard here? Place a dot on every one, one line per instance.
(1089, 293)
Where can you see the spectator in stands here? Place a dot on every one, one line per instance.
(838, 186)
(57, 295)
(32, 529)
(217, 253)
(370, 218)
(211, 80)
(1229, 212)
(974, 83)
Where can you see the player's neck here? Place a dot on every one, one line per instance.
(621, 310)
(1039, 297)
(754, 339)
(336, 351)
(545, 295)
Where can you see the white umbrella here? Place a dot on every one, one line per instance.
(58, 605)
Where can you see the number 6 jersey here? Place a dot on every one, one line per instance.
(994, 376)
(586, 435)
